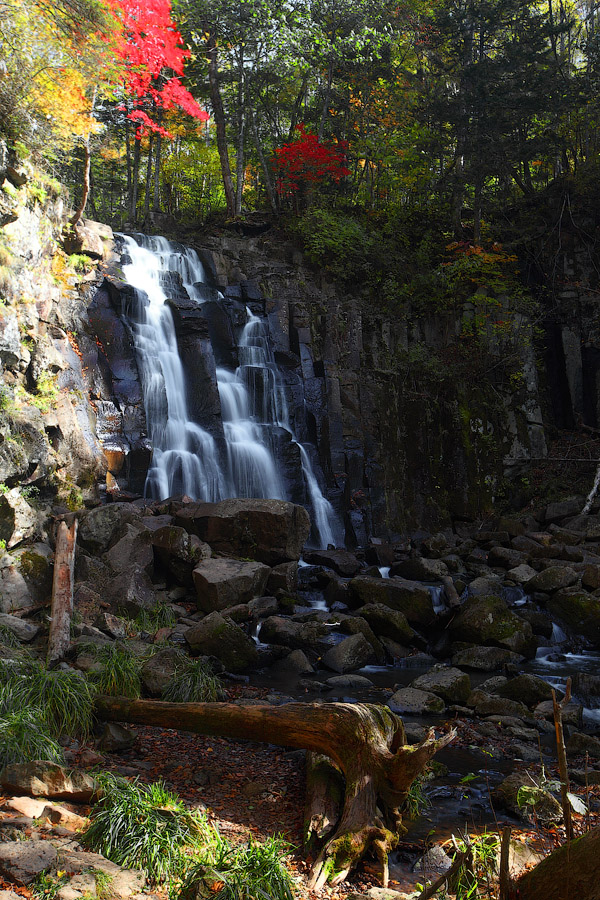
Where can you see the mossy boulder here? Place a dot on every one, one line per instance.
(488, 620)
(218, 636)
(408, 597)
(552, 579)
(387, 622)
(526, 688)
(579, 611)
(450, 684)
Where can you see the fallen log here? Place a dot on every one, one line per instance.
(367, 743)
(61, 609)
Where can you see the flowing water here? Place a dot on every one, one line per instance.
(254, 407)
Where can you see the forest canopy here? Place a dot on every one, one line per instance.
(369, 108)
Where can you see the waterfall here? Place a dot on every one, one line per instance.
(254, 408)
(184, 457)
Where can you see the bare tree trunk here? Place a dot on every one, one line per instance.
(219, 117)
(366, 742)
(156, 200)
(148, 178)
(85, 184)
(239, 161)
(61, 608)
(136, 175)
(263, 162)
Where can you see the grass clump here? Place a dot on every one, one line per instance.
(252, 872)
(24, 734)
(119, 672)
(144, 827)
(193, 682)
(63, 700)
(159, 616)
(46, 886)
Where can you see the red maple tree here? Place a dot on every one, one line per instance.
(307, 161)
(150, 50)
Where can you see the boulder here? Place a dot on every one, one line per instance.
(506, 795)
(579, 611)
(505, 557)
(15, 593)
(552, 579)
(579, 744)
(486, 704)
(527, 689)
(488, 620)
(408, 597)
(587, 687)
(484, 585)
(18, 520)
(134, 548)
(572, 714)
(450, 684)
(294, 664)
(24, 631)
(46, 779)
(412, 701)
(36, 563)
(124, 883)
(220, 637)
(387, 622)
(353, 652)
(157, 672)
(100, 527)
(220, 582)
(116, 738)
(283, 577)
(271, 531)
(420, 569)
(342, 682)
(132, 592)
(521, 574)
(341, 561)
(297, 635)
(485, 659)
(179, 552)
(591, 577)
(22, 861)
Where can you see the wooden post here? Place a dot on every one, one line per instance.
(62, 593)
(562, 758)
(505, 881)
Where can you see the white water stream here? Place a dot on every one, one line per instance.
(185, 458)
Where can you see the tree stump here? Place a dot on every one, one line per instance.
(367, 743)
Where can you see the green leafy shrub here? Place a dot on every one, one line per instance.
(119, 673)
(253, 872)
(337, 242)
(193, 682)
(145, 827)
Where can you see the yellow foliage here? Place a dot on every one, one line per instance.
(69, 107)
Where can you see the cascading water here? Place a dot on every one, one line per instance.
(184, 457)
(252, 398)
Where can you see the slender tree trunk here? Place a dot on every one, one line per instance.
(128, 157)
(136, 176)
(263, 162)
(148, 189)
(219, 117)
(239, 161)
(366, 742)
(85, 184)
(156, 199)
(326, 100)
(61, 608)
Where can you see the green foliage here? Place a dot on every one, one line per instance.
(252, 872)
(469, 879)
(193, 682)
(417, 800)
(337, 242)
(144, 827)
(119, 673)
(24, 733)
(161, 615)
(79, 262)
(7, 637)
(46, 886)
(63, 699)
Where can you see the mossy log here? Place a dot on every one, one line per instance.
(367, 743)
(569, 873)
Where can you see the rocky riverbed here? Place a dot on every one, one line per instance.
(453, 627)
